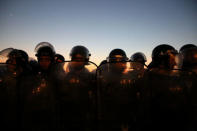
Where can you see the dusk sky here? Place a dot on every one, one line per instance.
(100, 25)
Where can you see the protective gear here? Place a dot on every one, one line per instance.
(163, 56)
(117, 55)
(39, 106)
(189, 58)
(80, 53)
(162, 50)
(76, 96)
(6, 51)
(18, 61)
(4, 54)
(138, 57)
(44, 49)
(187, 46)
(45, 54)
(116, 95)
(166, 95)
(19, 55)
(59, 58)
(39, 98)
(17, 69)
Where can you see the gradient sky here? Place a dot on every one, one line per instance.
(100, 25)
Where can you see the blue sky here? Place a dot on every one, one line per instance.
(100, 25)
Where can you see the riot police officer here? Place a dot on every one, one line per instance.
(45, 53)
(163, 56)
(138, 61)
(166, 92)
(17, 69)
(181, 57)
(76, 94)
(39, 112)
(117, 96)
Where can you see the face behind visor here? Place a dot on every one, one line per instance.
(45, 54)
(164, 56)
(80, 54)
(117, 55)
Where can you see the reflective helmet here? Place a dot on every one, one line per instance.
(6, 51)
(19, 56)
(17, 62)
(117, 55)
(162, 50)
(80, 53)
(45, 49)
(164, 55)
(138, 57)
(187, 46)
(4, 54)
(59, 58)
(189, 57)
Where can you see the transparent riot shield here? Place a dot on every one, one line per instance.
(169, 98)
(39, 100)
(8, 91)
(9, 96)
(12, 74)
(76, 95)
(117, 96)
(3, 93)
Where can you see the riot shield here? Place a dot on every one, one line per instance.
(9, 94)
(39, 101)
(76, 95)
(9, 97)
(117, 96)
(169, 98)
(3, 95)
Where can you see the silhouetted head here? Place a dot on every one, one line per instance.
(117, 60)
(17, 60)
(138, 57)
(19, 56)
(187, 46)
(45, 54)
(189, 58)
(163, 56)
(80, 53)
(117, 55)
(80, 56)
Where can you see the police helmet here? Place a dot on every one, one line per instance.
(138, 57)
(80, 53)
(117, 55)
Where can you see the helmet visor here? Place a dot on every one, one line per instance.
(117, 58)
